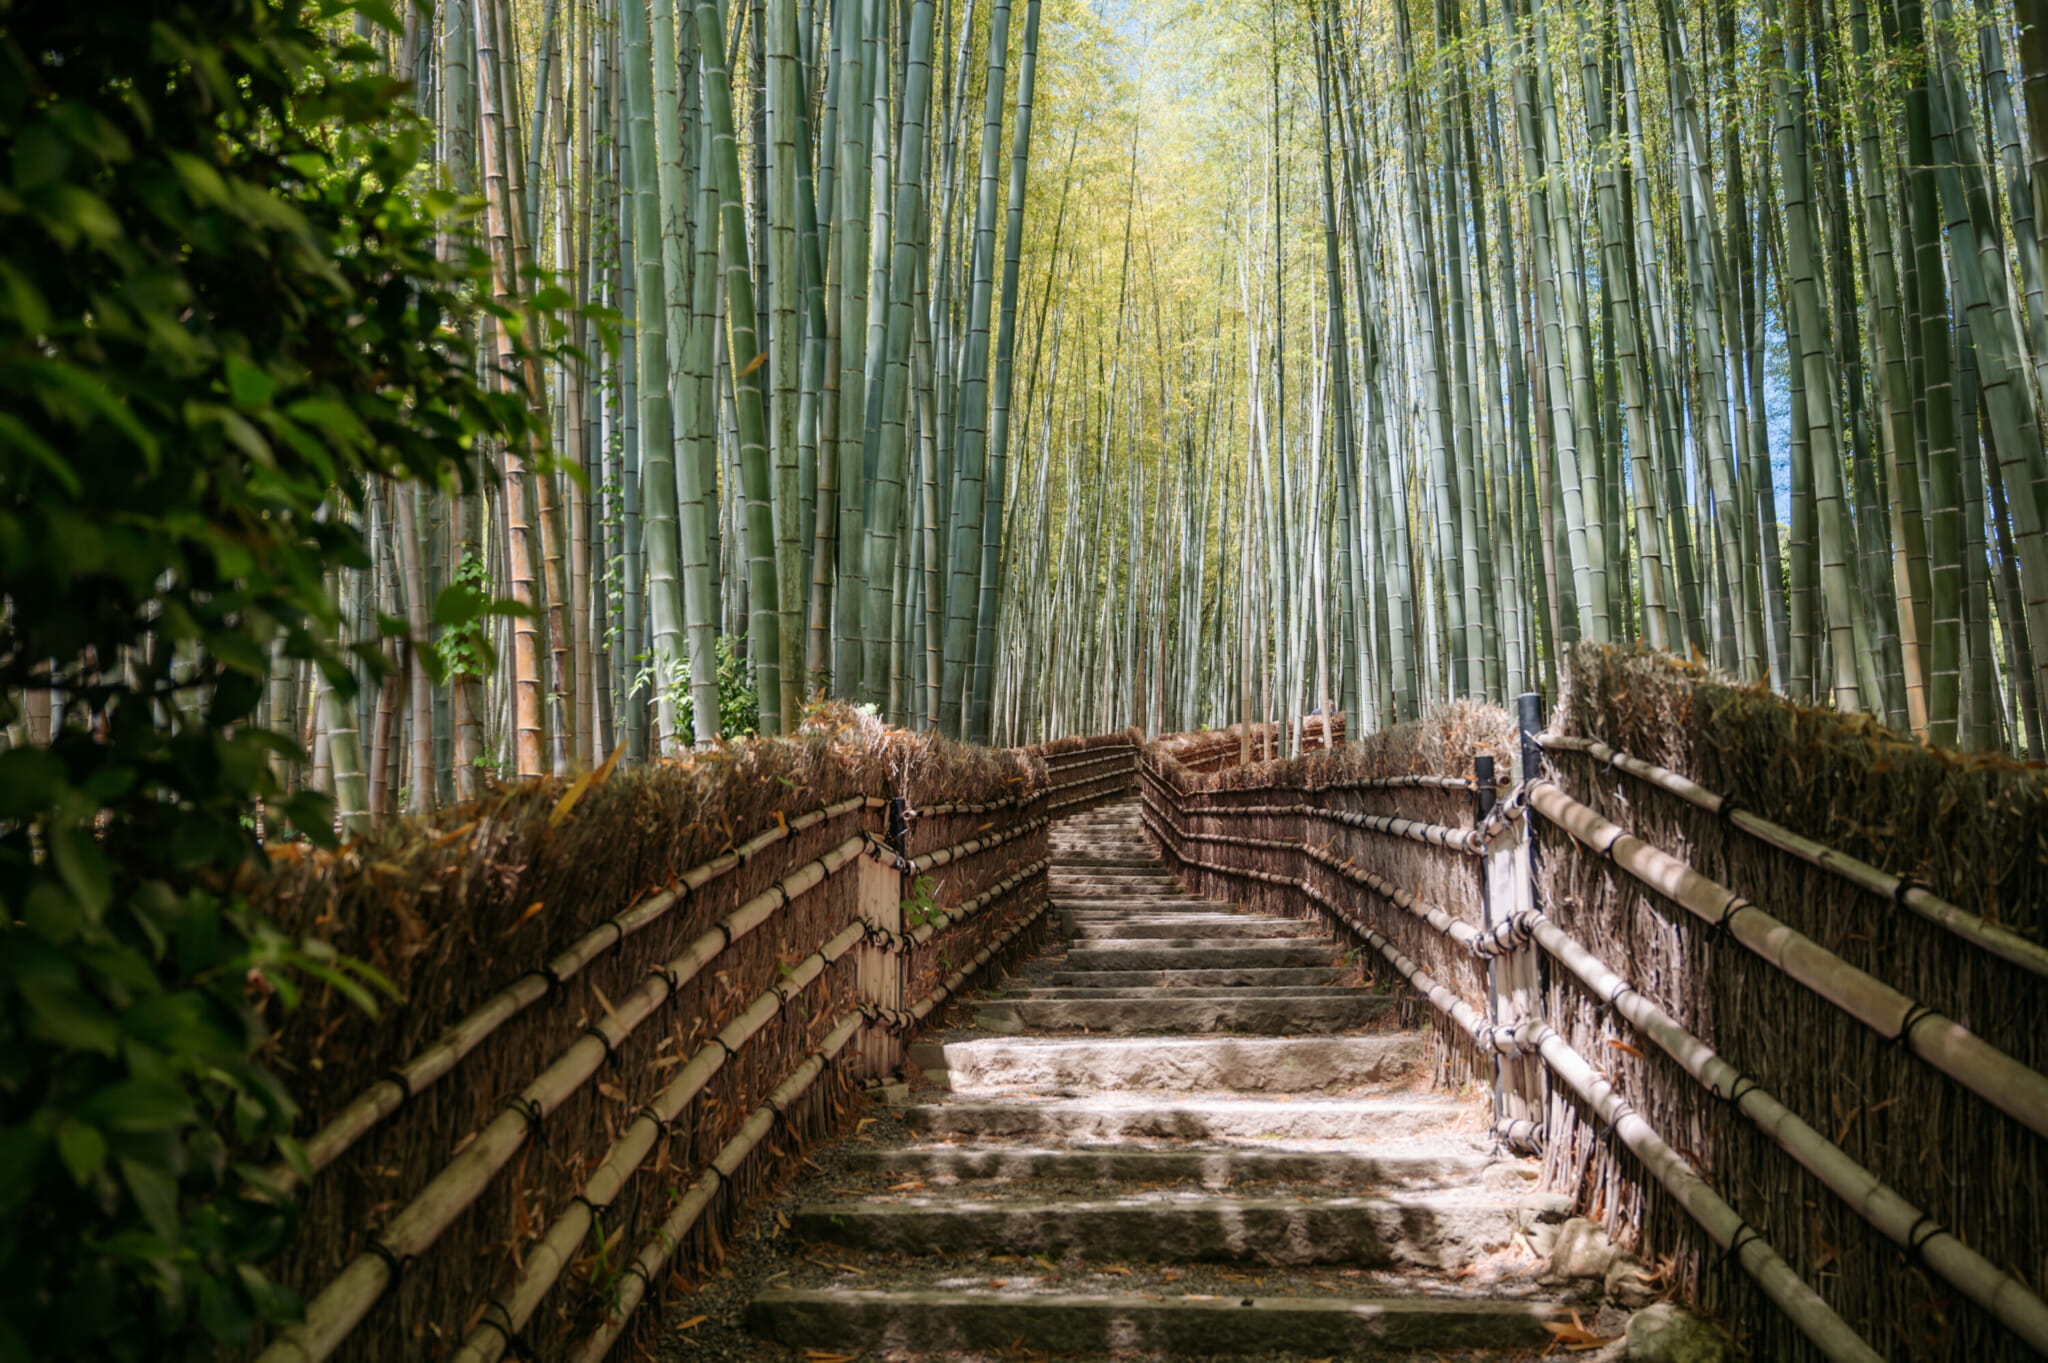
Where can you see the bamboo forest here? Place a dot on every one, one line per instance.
(944, 554)
(1025, 374)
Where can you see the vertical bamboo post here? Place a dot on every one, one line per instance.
(1496, 900)
(1525, 987)
(879, 966)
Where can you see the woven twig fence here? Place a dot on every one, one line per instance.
(630, 1001)
(1848, 926)
(1644, 1111)
(1328, 818)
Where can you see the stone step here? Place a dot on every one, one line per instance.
(1251, 1065)
(1257, 977)
(1253, 1014)
(1187, 929)
(1434, 1230)
(1117, 1324)
(1160, 953)
(1217, 1117)
(1209, 1167)
(1203, 991)
(1095, 904)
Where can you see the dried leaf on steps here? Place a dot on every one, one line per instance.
(1624, 1046)
(693, 1322)
(1576, 1335)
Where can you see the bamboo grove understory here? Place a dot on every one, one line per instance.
(1173, 362)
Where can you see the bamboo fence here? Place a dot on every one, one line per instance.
(629, 1002)
(1855, 1163)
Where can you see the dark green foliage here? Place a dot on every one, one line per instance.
(739, 704)
(218, 303)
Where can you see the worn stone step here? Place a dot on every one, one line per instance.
(1198, 954)
(1175, 1064)
(1155, 991)
(1187, 929)
(1435, 1230)
(1092, 901)
(1225, 976)
(1219, 1117)
(1210, 1167)
(1254, 1014)
(1087, 1325)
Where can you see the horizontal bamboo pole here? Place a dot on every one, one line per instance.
(924, 932)
(2000, 942)
(647, 1266)
(945, 856)
(1471, 841)
(922, 1009)
(445, 1052)
(1088, 757)
(341, 1305)
(1787, 1290)
(1947, 1045)
(1976, 1277)
(541, 1266)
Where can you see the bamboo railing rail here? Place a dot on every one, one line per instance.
(999, 865)
(1947, 1045)
(448, 1050)
(1999, 941)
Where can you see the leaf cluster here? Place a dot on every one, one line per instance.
(224, 305)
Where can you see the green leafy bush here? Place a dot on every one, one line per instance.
(739, 704)
(219, 301)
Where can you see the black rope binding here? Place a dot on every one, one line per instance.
(549, 978)
(1741, 1088)
(1730, 806)
(529, 1108)
(1904, 886)
(394, 1263)
(1737, 1241)
(396, 1078)
(515, 1340)
(1915, 1015)
(1720, 930)
(1915, 1248)
(593, 1029)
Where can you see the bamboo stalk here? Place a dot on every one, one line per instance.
(2005, 1083)
(2000, 942)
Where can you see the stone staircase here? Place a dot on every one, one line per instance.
(1190, 1130)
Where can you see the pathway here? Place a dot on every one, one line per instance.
(1189, 1129)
